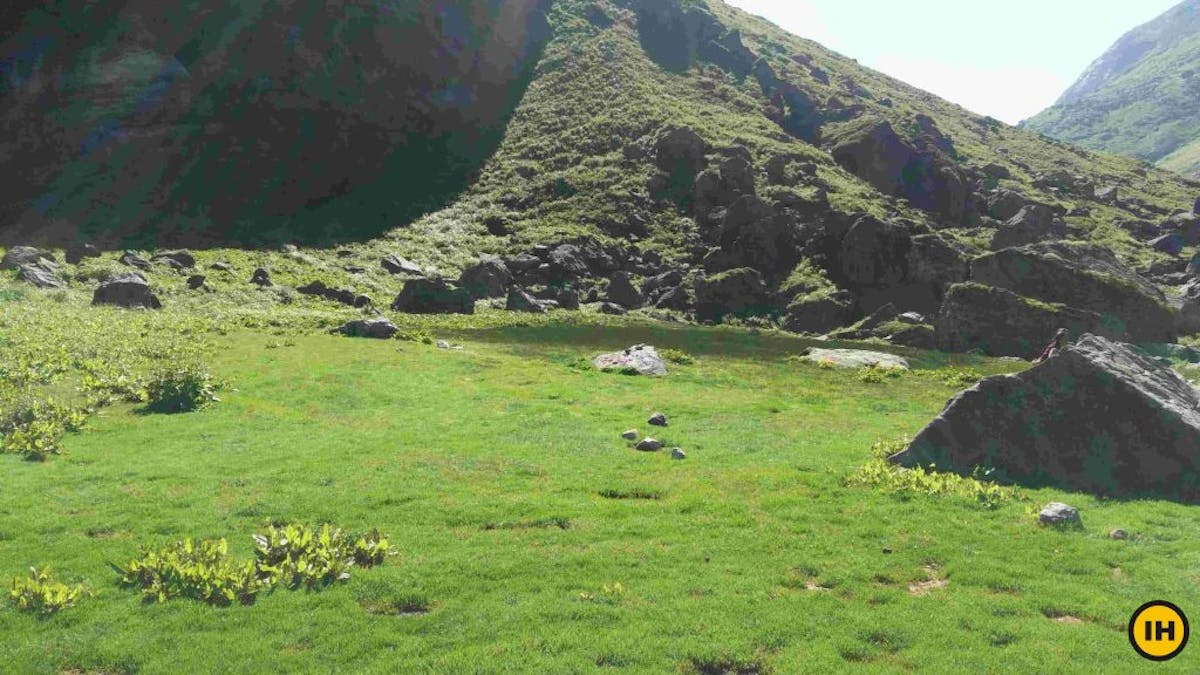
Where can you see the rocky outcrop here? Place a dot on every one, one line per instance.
(488, 278)
(1033, 223)
(739, 292)
(394, 264)
(19, 256)
(127, 290)
(1100, 417)
(1084, 277)
(433, 296)
(818, 313)
(999, 322)
(621, 291)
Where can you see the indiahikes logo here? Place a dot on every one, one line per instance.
(1158, 630)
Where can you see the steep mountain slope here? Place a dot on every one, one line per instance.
(761, 173)
(1139, 97)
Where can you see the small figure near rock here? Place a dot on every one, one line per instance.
(1056, 513)
(1056, 345)
(678, 453)
(649, 445)
(658, 420)
(630, 435)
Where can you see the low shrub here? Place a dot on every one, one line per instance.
(297, 555)
(201, 570)
(40, 593)
(180, 389)
(881, 474)
(677, 356)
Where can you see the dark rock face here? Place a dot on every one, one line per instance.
(131, 259)
(819, 315)
(1171, 244)
(565, 263)
(1001, 323)
(39, 276)
(681, 150)
(874, 152)
(127, 290)
(1100, 417)
(381, 111)
(1186, 225)
(622, 291)
(520, 300)
(19, 256)
(261, 278)
(433, 296)
(181, 259)
(394, 264)
(1033, 223)
(875, 253)
(344, 296)
(754, 235)
(1085, 277)
(379, 328)
(739, 292)
(488, 278)
(196, 282)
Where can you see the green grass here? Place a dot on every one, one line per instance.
(529, 537)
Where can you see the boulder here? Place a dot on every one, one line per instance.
(875, 253)
(196, 282)
(612, 309)
(127, 290)
(565, 262)
(1085, 277)
(1171, 244)
(649, 445)
(433, 296)
(1189, 308)
(180, 259)
(344, 296)
(640, 359)
(1059, 514)
(630, 435)
(221, 267)
(394, 264)
(739, 292)
(261, 278)
(131, 259)
(1100, 417)
(1033, 223)
(674, 298)
(1004, 204)
(380, 328)
(39, 276)
(1186, 225)
(753, 234)
(678, 453)
(17, 256)
(680, 149)
(523, 263)
(657, 420)
(76, 253)
(856, 358)
(1109, 194)
(520, 300)
(622, 291)
(819, 313)
(998, 322)
(488, 278)
(563, 297)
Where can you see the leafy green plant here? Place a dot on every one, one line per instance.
(876, 374)
(296, 555)
(180, 389)
(420, 336)
(881, 474)
(39, 592)
(201, 570)
(35, 428)
(677, 356)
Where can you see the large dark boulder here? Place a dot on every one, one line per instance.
(740, 292)
(18, 256)
(622, 291)
(999, 322)
(127, 290)
(180, 259)
(520, 300)
(394, 264)
(681, 150)
(819, 313)
(433, 296)
(488, 278)
(565, 262)
(875, 253)
(41, 276)
(1099, 417)
(1033, 223)
(1086, 277)
(379, 328)
(754, 235)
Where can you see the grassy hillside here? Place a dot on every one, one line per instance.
(1137, 98)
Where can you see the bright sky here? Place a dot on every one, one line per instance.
(1008, 59)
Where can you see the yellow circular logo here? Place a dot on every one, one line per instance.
(1158, 630)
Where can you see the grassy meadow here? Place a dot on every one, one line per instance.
(525, 534)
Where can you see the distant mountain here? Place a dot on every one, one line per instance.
(1140, 97)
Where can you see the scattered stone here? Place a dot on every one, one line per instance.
(394, 264)
(40, 276)
(488, 278)
(181, 259)
(131, 259)
(1118, 534)
(649, 445)
(261, 278)
(380, 328)
(911, 318)
(657, 420)
(520, 300)
(77, 252)
(18, 256)
(678, 453)
(630, 435)
(442, 344)
(344, 296)
(433, 296)
(221, 267)
(856, 358)
(612, 309)
(1057, 513)
(643, 359)
(1100, 417)
(127, 290)
(196, 282)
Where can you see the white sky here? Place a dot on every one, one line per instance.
(1009, 58)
